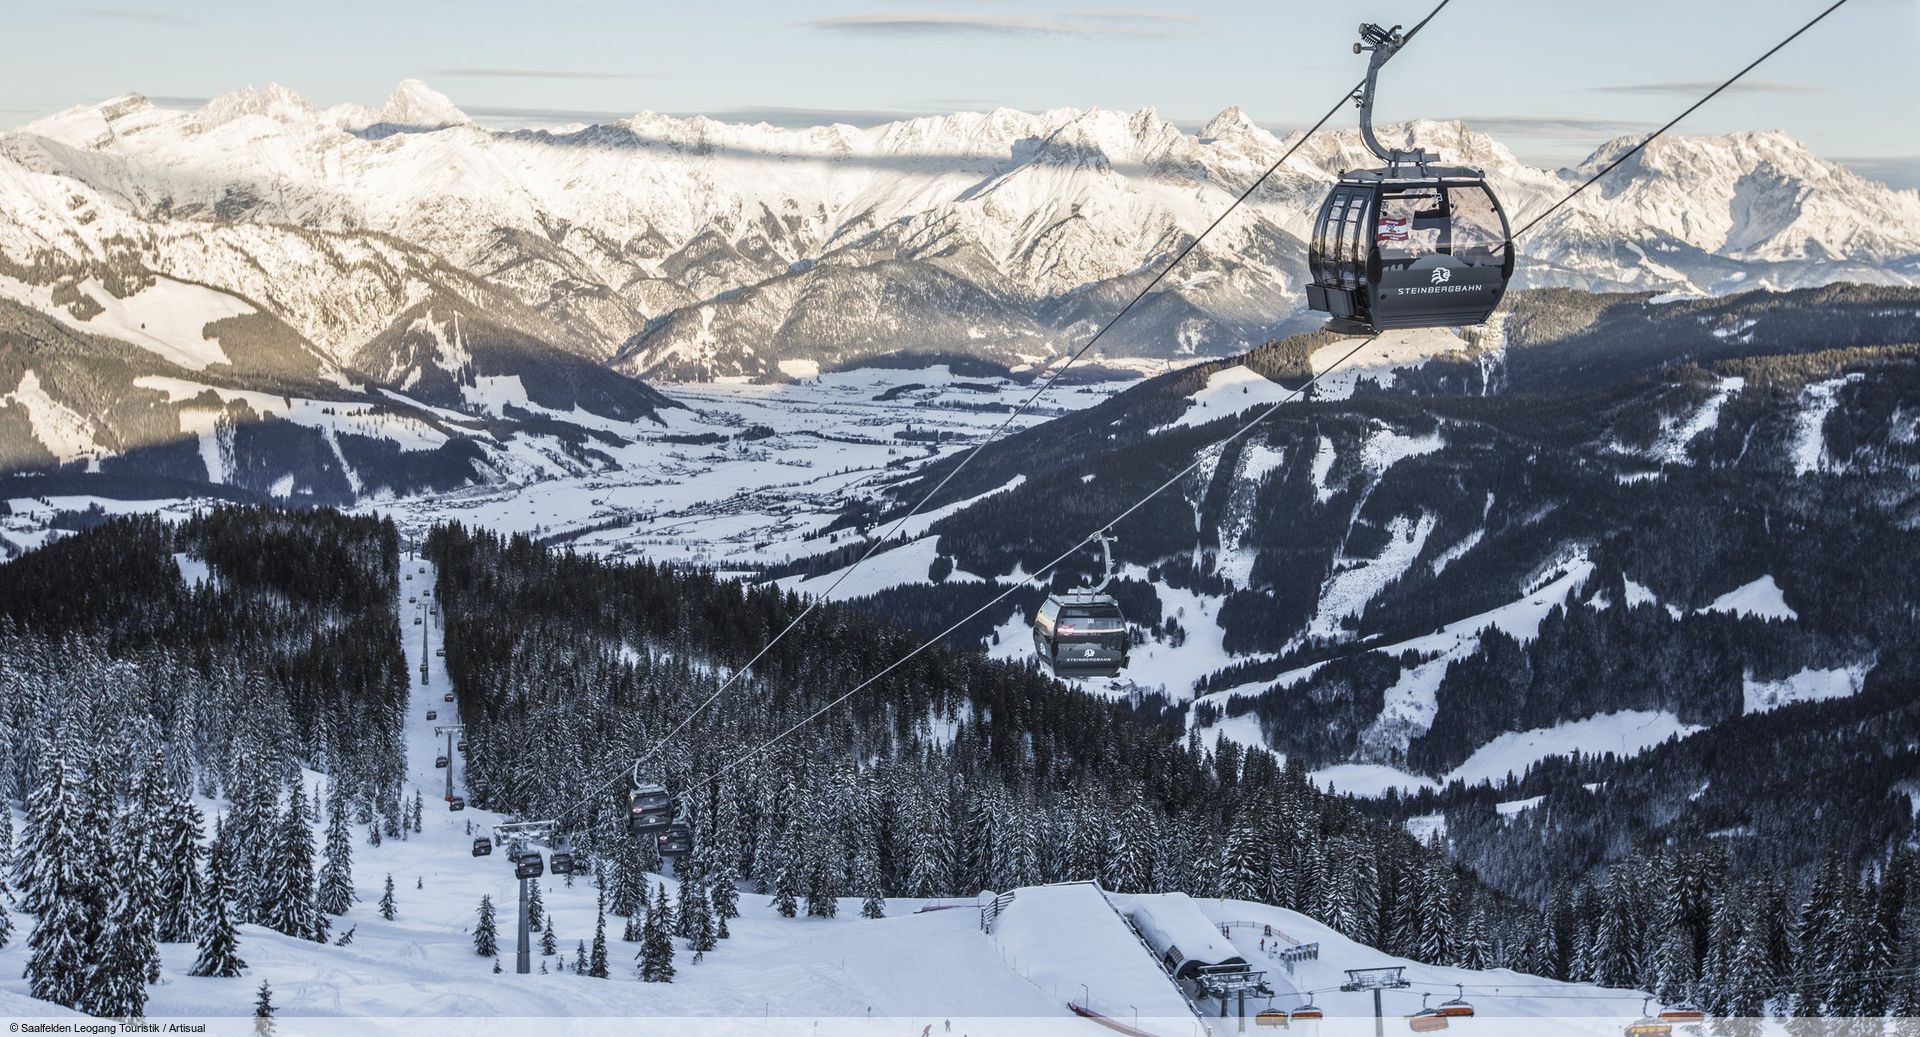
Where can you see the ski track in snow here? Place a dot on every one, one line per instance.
(1809, 445)
(1410, 700)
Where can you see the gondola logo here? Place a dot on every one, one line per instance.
(1441, 275)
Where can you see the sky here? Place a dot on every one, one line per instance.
(1550, 78)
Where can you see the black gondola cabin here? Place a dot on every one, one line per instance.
(1409, 249)
(1411, 244)
(1081, 634)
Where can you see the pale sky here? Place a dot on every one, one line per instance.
(1551, 78)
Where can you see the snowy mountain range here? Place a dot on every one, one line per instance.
(672, 247)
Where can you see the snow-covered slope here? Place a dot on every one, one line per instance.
(929, 965)
(688, 246)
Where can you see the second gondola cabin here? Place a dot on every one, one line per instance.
(1081, 634)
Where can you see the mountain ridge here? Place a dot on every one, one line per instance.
(690, 247)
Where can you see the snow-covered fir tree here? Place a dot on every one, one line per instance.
(177, 860)
(486, 931)
(214, 922)
(656, 941)
(263, 1010)
(695, 915)
(289, 899)
(117, 983)
(597, 960)
(335, 893)
(387, 906)
(866, 882)
(60, 889)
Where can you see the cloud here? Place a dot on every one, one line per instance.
(127, 14)
(1694, 88)
(1552, 125)
(513, 117)
(947, 23)
(535, 73)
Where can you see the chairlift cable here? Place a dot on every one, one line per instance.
(1046, 384)
(1162, 487)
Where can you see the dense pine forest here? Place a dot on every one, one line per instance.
(951, 775)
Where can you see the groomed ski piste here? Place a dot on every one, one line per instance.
(930, 967)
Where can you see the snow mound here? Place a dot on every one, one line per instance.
(1626, 733)
(1761, 599)
(1808, 685)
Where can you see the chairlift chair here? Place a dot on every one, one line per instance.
(1458, 1007)
(1684, 1013)
(1647, 1025)
(1426, 1020)
(1308, 1012)
(1270, 1017)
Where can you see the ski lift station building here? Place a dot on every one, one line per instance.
(1185, 940)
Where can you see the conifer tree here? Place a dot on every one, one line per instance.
(48, 844)
(179, 885)
(630, 932)
(1243, 868)
(219, 940)
(536, 908)
(129, 956)
(263, 1010)
(696, 918)
(725, 893)
(786, 878)
(335, 896)
(486, 933)
(387, 910)
(580, 958)
(656, 941)
(289, 901)
(597, 962)
(866, 882)
(58, 890)
(117, 983)
(549, 944)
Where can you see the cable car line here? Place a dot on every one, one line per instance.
(1162, 487)
(1063, 556)
(1046, 384)
(1242, 430)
